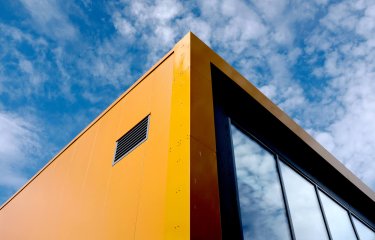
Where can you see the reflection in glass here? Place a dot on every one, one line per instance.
(338, 219)
(262, 209)
(304, 207)
(363, 231)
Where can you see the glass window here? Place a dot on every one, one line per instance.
(304, 207)
(262, 209)
(338, 219)
(363, 231)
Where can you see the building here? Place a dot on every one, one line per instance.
(191, 151)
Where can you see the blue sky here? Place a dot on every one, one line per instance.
(63, 62)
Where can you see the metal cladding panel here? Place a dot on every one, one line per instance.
(81, 195)
(204, 196)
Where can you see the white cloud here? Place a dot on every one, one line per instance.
(50, 19)
(348, 31)
(21, 75)
(19, 142)
(34, 77)
(26, 66)
(198, 26)
(122, 25)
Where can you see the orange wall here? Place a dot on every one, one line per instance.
(80, 195)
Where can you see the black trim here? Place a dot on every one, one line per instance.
(323, 212)
(353, 225)
(229, 203)
(231, 101)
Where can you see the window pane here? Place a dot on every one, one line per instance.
(337, 218)
(363, 231)
(304, 207)
(262, 208)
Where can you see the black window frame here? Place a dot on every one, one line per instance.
(226, 98)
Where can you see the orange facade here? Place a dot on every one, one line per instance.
(167, 188)
(80, 195)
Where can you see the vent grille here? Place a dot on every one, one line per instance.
(132, 139)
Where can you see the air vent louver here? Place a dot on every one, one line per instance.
(132, 139)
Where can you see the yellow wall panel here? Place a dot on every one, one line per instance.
(151, 210)
(178, 175)
(82, 195)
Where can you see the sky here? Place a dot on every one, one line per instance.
(63, 62)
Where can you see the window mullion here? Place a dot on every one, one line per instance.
(284, 197)
(353, 225)
(322, 210)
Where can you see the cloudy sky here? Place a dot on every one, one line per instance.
(63, 62)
